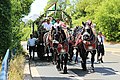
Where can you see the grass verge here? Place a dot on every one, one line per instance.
(16, 68)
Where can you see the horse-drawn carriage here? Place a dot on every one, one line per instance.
(59, 45)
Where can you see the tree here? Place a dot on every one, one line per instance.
(10, 31)
(5, 26)
(104, 13)
(18, 8)
(108, 19)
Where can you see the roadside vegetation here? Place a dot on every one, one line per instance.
(104, 13)
(16, 68)
(11, 26)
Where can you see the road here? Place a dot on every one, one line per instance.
(109, 70)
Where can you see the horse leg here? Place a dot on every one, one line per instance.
(58, 62)
(47, 51)
(65, 62)
(54, 56)
(93, 58)
(76, 58)
(52, 51)
(61, 61)
(83, 56)
(71, 53)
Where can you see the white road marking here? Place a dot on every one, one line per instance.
(117, 73)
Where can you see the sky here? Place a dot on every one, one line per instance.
(36, 7)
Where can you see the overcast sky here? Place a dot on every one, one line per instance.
(36, 7)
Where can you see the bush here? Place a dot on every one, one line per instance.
(5, 26)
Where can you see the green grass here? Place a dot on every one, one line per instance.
(16, 68)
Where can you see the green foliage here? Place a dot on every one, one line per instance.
(25, 33)
(10, 30)
(104, 13)
(5, 26)
(108, 19)
(19, 7)
(26, 30)
(25, 4)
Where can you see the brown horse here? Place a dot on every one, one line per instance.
(61, 48)
(86, 42)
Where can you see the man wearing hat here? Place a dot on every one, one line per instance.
(47, 25)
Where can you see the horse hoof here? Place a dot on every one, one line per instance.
(65, 70)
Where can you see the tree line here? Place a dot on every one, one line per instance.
(104, 13)
(11, 12)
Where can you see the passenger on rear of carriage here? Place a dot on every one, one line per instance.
(47, 25)
(100, 47)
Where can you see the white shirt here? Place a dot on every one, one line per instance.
(57, 24)
(99, 38)
(31, 42)
(47, 26)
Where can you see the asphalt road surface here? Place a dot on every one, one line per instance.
(109, 70)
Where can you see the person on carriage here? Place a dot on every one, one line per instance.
(64, 25)
(100, 47)
(58, 23)
(52, 20)
(47, 25)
